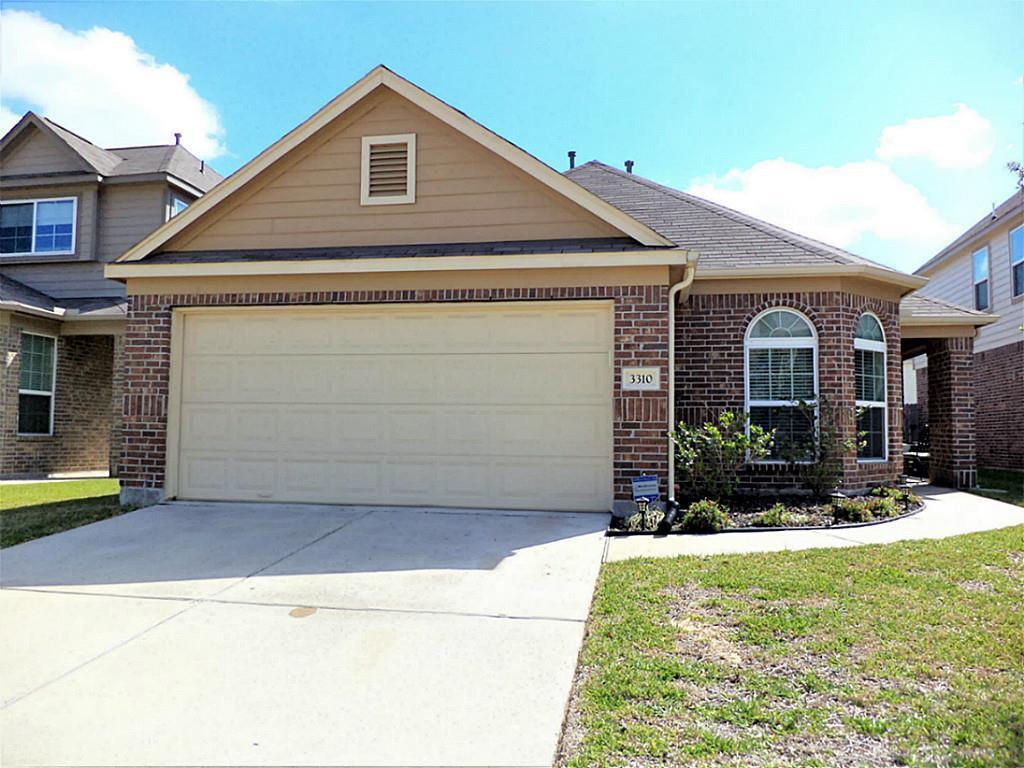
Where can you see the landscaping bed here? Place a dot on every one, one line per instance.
(774, 513)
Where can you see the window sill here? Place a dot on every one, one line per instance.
(34, 436)
(872, 461)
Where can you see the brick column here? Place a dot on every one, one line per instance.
(951, 412)
(116, 405)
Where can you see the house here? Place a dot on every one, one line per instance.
(394, 305)
(67, 207)
(984, 269)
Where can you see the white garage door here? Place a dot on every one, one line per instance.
(498, 405)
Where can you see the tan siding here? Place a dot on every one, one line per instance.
(35, 152)
(953, 282)
(464, 193)
(128, 213)
(85, 233)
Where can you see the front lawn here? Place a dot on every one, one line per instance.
(31, 510)
(1003, 484)
(904, 654)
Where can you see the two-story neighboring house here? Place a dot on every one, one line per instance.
(67, 207)
(984, 269)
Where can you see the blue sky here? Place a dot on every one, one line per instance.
(774, 108)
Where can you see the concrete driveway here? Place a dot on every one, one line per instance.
(256, 634)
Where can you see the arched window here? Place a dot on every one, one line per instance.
(781, 352)
(869, 354)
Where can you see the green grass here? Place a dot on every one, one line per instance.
(31, 510)
(904, 654)
(1007, 480)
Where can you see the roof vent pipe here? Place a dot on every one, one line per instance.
(177, 139)
(629, 166)
(572, 159)
(202, 166)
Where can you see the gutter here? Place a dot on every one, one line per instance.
(28, 309)
(673, 296)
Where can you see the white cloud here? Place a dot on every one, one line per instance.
(7, 119)
(960, 140)
(100, 85)
(837, 204)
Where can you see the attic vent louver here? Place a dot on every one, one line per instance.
(388, 169)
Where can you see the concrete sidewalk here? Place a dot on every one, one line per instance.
(947, 513)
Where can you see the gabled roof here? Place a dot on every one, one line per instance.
(1005, 211)
(726, 239)
(122, 162)
(383, 77)
(927, 310)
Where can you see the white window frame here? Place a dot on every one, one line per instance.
(35, 204)
(170, 206)
(870, 345)
(409, 139)
(1020, 259)
(778, 342)
(52, 394)
(987, 280)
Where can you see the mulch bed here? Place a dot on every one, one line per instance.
(743, 511)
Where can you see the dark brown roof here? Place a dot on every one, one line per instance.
(502, 248)
(723, 237)
(1011, 206)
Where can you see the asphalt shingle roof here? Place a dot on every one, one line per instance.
(918, 305)
(12, 290)
(172, 159)
(723, 237)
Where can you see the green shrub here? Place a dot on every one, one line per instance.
(851, 511)
(710, 456)
(705, 516)
(817, 457)
(902, 497)
(883, 507)
(778, 516)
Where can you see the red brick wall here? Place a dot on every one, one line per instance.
(82, 414)
(951, 411)
(999, 406)
(710, 330)
(641, 338)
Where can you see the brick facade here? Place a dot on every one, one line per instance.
(999, 406)
(82, 407)
(951, 411)
(641, 338)
(710, 331)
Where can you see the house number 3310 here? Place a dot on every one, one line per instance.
(641, 378)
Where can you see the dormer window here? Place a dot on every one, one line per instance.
(388, 173)
(29, 227)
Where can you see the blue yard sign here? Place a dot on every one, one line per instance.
(645, 487)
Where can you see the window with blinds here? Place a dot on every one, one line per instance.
(388, 174)
(869, 383)
(781, 372)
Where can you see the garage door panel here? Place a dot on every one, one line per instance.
(465, 405)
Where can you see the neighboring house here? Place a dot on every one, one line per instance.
(394, 305)
(984, 269)
(66, 208)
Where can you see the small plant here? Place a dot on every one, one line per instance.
(778, 516)
(851, 511)
(710, 456)
(882, 507)
(705, 516)
(902, 497)
(817, 458)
